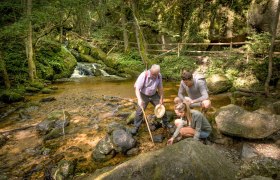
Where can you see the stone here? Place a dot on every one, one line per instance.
(158, 138)
(48, 99)
(131, 118)
(187, 159)
(260, 166)
(3, 140)
(104, 150)
(248, 152)
(257, 178)
(122, 140)
(132, 152)
(218, 83)
(235, 121)
(45, 126)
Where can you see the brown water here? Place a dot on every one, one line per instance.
(82, 98)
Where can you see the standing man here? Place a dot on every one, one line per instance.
(194, 85)
(148, 88)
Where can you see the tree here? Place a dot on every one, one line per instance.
(29, 45)
(139, 35)
(4, 72)
(270, 57)
(124, 22)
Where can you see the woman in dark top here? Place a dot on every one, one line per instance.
(192, 123)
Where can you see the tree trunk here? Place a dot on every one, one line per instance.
(61, 23)
(163, 47)
(125, 36)
(4, 72)
(270, 57)
(31, 65)
(139, 36)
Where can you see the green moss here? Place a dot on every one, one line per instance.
(87, 58)
(55, 62)
(10, 96)
(47, 91)
(32, 89)
(37, 84)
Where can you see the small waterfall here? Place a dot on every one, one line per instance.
(89, 69)
(104, 73)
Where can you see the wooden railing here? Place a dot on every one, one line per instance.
(178, 48)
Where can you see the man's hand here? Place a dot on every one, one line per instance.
(188, 101)
(170, 141)
(161, 101)
(140, 103)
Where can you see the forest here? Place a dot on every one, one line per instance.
(67, 69)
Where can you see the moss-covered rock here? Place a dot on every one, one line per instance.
(187, 159)
(10, 96)
(32, 89)
(47, 91)
(54, 61)
(87, 58)
(218, 83)
(37, 84)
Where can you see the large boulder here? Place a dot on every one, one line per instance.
(235, 121)
(187, 159)
(264, 166)
(218, 83)
(261, 13)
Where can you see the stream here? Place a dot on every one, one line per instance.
(91, 103)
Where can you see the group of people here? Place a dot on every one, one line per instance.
(193, 92)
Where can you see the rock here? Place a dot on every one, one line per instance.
(123, 115)
(276, 107)
(9, 97)
(45, 126)
(54, 133)
(235, 121)
(263, 166)
(158, 138)
(32, 89)
(48, 99)
(218, 83)
(65, 170)
(132, 152)
(3, 140)
(104, 150)
(114, 126)
(59, 115)
(122, 140)
(260, 15)
(47, 91)
(257, 178)
(61, 123)
(198, 162)
(248, 152)
(23, 115)
(131, 117)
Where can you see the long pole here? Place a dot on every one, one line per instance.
(147, 124)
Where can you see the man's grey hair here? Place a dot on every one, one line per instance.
(155, 68)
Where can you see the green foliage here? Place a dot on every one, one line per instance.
(259, 43)
(130, 63)
(54, 61)
(171, 66)
(10, 96)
